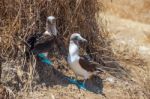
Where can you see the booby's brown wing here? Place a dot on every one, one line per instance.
(112, 68)
(89, 65)
(44, 43)
(44, 38)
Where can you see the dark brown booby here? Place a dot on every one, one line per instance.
(45, 43)
(41, 46)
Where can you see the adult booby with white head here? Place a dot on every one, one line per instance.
(80, 65)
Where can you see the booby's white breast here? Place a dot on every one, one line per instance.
(73, 60)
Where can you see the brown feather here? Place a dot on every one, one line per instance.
(44, 44)
(112, 68)
(89, 66)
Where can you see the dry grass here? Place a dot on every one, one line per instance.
(135, 10)
(21, 19)
(129, 27)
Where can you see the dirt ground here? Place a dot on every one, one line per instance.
(128, 23)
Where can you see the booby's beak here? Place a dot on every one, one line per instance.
(82, 39)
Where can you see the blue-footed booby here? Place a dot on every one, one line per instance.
(80, 65)
(45, 43)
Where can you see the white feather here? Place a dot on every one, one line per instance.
(73, 60)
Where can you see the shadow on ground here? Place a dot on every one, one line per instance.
(51, 77)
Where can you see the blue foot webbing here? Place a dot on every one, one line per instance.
(44, 59)
(80, 85)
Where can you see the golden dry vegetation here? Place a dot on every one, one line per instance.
(128, 25)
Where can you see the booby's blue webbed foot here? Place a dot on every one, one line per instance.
(72, 81)
(44, 59)
(80, 85)
(42, 55)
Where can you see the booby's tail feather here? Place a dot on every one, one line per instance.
(114, 69)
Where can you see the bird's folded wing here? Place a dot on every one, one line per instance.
(44, 43)
(43, 39)
(89, 65)
(92, 66)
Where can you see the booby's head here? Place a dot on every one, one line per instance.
(51, 20)
(51, 25)
(76, 38)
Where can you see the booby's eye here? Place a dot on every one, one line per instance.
(76, 38)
